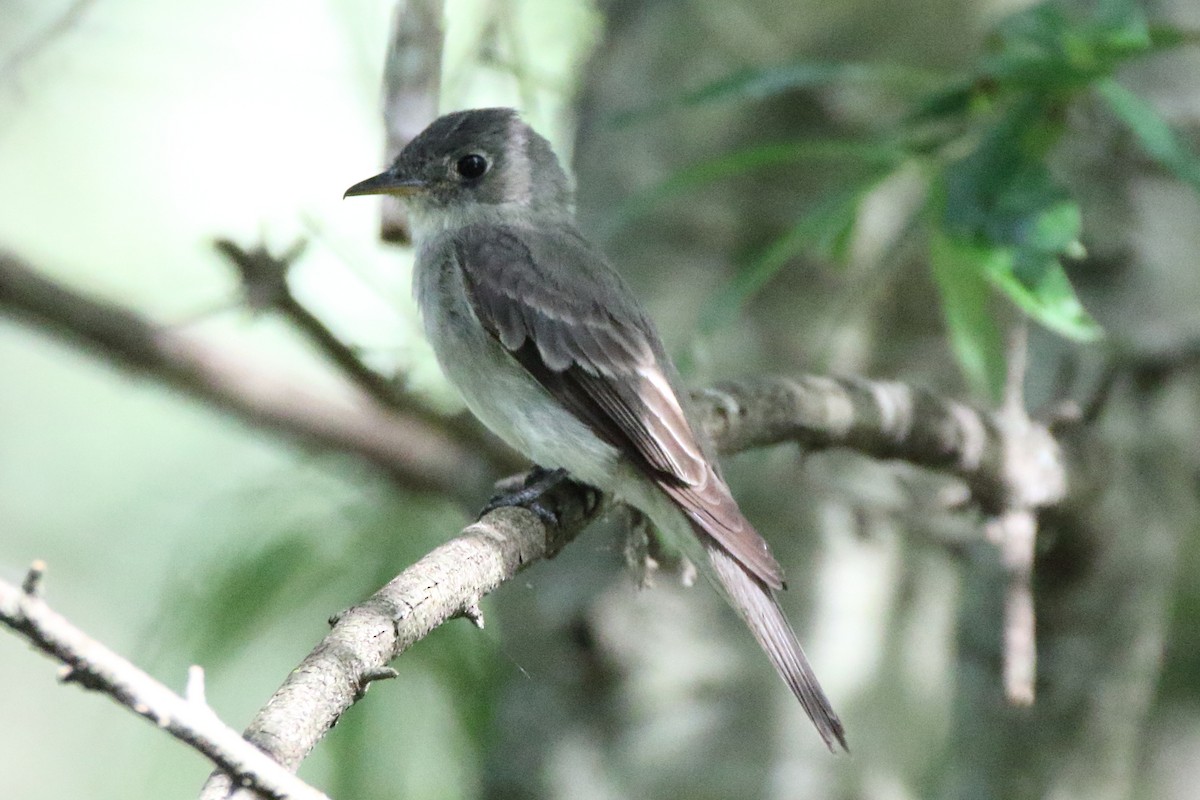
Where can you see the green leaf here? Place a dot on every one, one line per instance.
(1012, 224)
(974, 334)
(1056, 230)
(1054, 47)
(952, 100)
(1043, 291)
(1152, 132)
(757, 84)
(241, 596)
(1168, 37)
(994, 191)
(876, 154)
(826, 228)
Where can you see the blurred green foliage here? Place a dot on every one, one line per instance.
(995, 219)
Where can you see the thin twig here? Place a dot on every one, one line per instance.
(61, 24)
(414, 454)
(412, 79)
(264, 281)
(265, 284)
(1015, 531)
(1147, 368)
(91, 665)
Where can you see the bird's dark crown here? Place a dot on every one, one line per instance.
(519, 165)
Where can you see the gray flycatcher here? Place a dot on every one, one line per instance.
(551, 350)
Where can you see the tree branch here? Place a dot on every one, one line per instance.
(882, 419)
(890, 420)
(446, 583)
(57, 28)
(412, 80)
(264, 281)
(413, 453)
(91, 665)
(886, 420)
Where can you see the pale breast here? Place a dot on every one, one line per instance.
(496, 388)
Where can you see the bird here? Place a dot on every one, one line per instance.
(553, 352)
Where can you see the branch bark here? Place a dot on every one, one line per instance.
(881, 419)
(447, 583)
(1002, 465)
(886, 420)
(91, 665)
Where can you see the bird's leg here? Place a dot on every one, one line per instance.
(639, 542)
(646, 555)
(529, 495)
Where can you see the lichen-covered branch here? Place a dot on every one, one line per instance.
(891, 420)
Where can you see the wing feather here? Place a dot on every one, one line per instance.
(762, 614)
(596, 352)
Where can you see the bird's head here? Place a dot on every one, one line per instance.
(469, 162)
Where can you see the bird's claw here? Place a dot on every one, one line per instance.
(531, 494)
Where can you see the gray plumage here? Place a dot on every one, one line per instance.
(551, 350)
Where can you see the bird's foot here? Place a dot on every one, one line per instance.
(531, 494)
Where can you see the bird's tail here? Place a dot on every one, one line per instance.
(756, 604)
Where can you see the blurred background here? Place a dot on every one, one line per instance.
(776, 180)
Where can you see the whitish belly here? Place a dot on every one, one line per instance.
(499, 391)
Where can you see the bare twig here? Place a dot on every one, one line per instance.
(61, 24)
(445, 584)
(1015, 533)
(412, 78)
(33, 578)
(264, 280)
(1148, 368)
(1014, 529)
(94, 666)
(414, 454)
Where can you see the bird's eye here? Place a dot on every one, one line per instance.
(472, 166)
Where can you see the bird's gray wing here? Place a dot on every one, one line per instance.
(565, 315)
(592, 347)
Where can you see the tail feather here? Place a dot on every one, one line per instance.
(757, 605)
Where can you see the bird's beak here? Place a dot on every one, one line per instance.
(386, 183)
